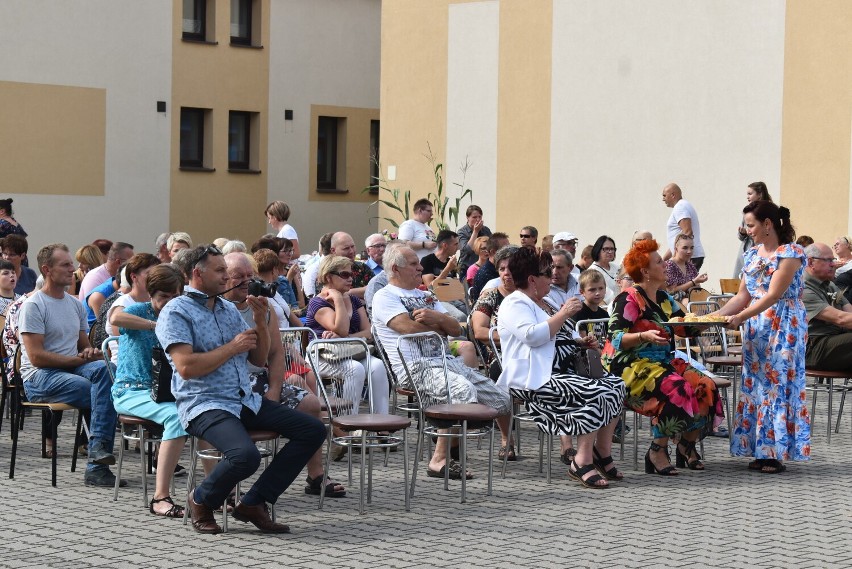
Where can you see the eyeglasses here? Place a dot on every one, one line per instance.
(548, 272)
(826, 259)
(526, 236)
(377, 246)
(608, 249)
(625, 279)
(342, 274)
(287, 251)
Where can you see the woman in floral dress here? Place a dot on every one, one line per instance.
(772, 422)
(680, 399)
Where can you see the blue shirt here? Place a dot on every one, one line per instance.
(285, 289)
(27, 281)
(374, 266)
(134, 357)
(105, 289)
(187, 320)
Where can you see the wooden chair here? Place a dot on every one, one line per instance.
(363, 431)
(448, 290)
(729, 286)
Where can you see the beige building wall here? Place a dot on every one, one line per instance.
(599, 105)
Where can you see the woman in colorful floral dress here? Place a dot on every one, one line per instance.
(772, 422)
(680, 399)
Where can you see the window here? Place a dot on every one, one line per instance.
(199, 18)
(239, 140)
(241, 22)
(327, 153)
(194, 142)
(374, 157)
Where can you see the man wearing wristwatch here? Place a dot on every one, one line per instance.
(416, 232)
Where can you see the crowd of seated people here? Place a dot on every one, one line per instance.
(163, 299)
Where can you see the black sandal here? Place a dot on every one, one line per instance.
(756, 464)
(683, 459)
(508, 452)
(567, 457)
(772, 466)
(577, 474)
(602, 462)
(650, 468)
(314, 487)
(174, 512)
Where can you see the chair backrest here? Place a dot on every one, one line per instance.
(712, 341)
(494, 340)
(424, 358)
(295, 341)
(720, 299)
(106, 349)
(729, 286)
(599, 327)
(481, 351)
(698, 294)
(448, 289)
(340, 371)
(383, 355)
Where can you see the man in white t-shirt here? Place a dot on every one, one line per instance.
(401, 308)
(683, 220)
(416, 232)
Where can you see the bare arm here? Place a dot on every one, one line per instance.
(780, 282)
(359, 292)
(296, 251)
(832, 315)
(192, 365)
(39, 357)
(276, 360)
(425, 320)
(481, 325)
(365, 331)
(685, 225)
(95, 301)
(335, 318)
(259, 354)
(121, 319)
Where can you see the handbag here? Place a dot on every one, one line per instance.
(342, 352)
(161, 377)
(587, 363)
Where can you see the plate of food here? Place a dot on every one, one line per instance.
(695, 320)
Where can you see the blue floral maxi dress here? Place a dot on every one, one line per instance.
(772, 416)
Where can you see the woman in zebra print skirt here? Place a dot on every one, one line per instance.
(538, 367)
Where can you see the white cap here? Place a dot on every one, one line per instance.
(564, 236)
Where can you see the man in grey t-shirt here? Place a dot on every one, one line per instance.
(58, 365)
(829, 314)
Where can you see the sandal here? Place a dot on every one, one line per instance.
(314, 487)
(756, 464)
(772, 466)
(651, 468)
(508, 454)
(455, 471)
(577, 474)
(48, 453)
(174, 512)
(602, 462)
(686, 458)
(567, 457)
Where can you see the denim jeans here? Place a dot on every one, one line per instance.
(228, 434)
(85, 387)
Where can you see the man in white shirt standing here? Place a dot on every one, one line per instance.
(416, 232)
(683, 220)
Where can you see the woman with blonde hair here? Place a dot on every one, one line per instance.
(88, 257)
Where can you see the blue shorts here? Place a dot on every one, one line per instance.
(138, 402)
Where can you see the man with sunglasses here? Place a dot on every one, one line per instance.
(829, 314)
(209, 346)
(529, 236)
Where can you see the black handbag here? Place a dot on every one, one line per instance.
(161, 377)
(587, 363)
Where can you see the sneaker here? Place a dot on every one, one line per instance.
(99, 455)
(102, 478)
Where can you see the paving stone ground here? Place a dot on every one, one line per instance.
(725, 517)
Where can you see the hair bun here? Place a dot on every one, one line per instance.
(784, 213)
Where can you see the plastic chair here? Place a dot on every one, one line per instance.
(424, 358)
(364, 431)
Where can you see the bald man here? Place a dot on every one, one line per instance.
(682, 221)
(343, 245)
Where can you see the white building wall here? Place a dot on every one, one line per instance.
(323, 52)
(647, 93)
(124, 47)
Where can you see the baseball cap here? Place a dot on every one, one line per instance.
(564, 236)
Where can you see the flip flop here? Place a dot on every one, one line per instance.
(314, 489)
(455, 471)
(756, 464)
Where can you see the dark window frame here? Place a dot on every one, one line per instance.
(246, 116)
(375, 146)
(332, 126)
(200, 8)
(244, 40)
(193, 162)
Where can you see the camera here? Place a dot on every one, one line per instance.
(256, 287)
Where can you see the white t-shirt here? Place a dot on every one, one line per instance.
(59, 320)
(413, 230)
(288, 232)
(282, 310)
(309, 278)
(684, 210)
(391, 301)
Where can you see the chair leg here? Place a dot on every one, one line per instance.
(325, 467)
(635, 440)
(362, 461)
(839, 410)
(490, 460)
(190, 479)
(16, 408)
(830, 401)
(405, 469)
(549, 454)
(463, 456)
(53, 434)
(511, 428)
(79, 429)
(143, 454)
(417, 451)
(120, 463)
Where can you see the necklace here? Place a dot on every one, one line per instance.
(609, 274)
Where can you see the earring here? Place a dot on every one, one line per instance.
(766, 232)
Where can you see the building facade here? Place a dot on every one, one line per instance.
(575, 113)
(124, 119)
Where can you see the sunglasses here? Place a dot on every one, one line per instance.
(342, 274)
(526, 236)
(210, 250)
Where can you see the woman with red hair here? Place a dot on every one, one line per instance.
(679, 398)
